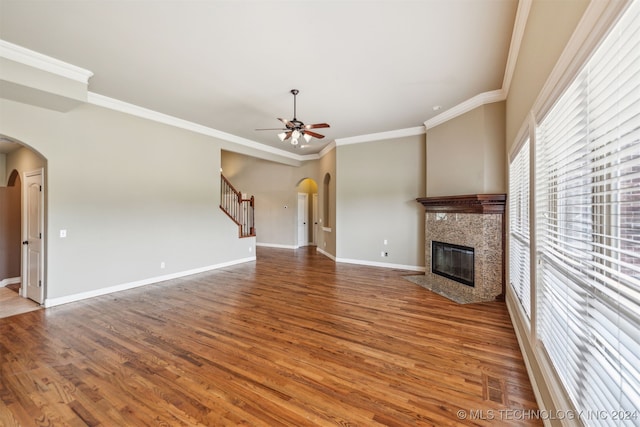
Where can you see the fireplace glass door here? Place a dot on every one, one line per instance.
(454, 262)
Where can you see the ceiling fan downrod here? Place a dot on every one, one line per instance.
(294, 92)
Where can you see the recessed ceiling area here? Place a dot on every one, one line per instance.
(364, 67)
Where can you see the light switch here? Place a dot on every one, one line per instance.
(63, 234)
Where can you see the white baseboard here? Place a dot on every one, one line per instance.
(51, 302)
(325, 253)
(381, 264)
(276, 245)
(10, 281)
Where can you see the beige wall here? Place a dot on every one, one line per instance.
(371, 198)
(10, 246)
(466, 154)
(4, 175)
(24, 160)
(131, 193)
(549, 27)
(377, 186)
(275, 188)
(327, 168)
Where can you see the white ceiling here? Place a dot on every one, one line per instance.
(362, 66)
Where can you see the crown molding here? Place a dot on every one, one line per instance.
(398, 133)
(34, 59)
(326, 149)
(466, 106)
(522, 15)
(135, 110)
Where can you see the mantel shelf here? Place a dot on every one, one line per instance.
(472, 203)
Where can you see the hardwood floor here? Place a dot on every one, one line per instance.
(292, 339)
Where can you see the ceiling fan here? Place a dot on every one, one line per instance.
(294, 129)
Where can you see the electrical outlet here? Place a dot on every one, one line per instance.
(382, 253)
(386, 241)
(162, 265)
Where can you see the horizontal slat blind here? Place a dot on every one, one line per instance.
(588, 228)
(519, 242)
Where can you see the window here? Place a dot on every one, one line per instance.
(519, 242)
(588, 227)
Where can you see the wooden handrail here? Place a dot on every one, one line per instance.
(239, 209)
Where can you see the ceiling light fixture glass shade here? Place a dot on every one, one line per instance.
(282, 136)
(307, 137)
(295, 136)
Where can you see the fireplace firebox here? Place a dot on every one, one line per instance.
(454, 262)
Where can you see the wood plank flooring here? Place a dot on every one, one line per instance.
(292, 339)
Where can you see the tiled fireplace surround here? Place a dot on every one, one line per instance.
(475, 221)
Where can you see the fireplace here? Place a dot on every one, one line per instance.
(454, 262)
(464, 247)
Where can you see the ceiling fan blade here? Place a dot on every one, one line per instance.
(286, 122)
(288, 136)
(317, 126)
(313, 134)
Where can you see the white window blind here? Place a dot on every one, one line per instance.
(588, 228)
(519, 242)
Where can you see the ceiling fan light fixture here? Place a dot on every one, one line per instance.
(295, 129)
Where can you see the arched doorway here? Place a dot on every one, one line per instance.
(307, 213)
(23, 207)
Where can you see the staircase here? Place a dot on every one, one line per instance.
(239, 209)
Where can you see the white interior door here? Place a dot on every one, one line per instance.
(303, 218)
(33, 243)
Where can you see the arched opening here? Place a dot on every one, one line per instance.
(22, 210)
(307, 213)
(10, 230)
(326, 189)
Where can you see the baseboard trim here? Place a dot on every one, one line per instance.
(276, 245)
(325, 253)
(381, 264)
(10, 281)
(52, 302)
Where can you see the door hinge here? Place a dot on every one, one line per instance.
(41, 188)
(39, 283)
(39, 235)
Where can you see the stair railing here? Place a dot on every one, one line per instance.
(239, 209)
